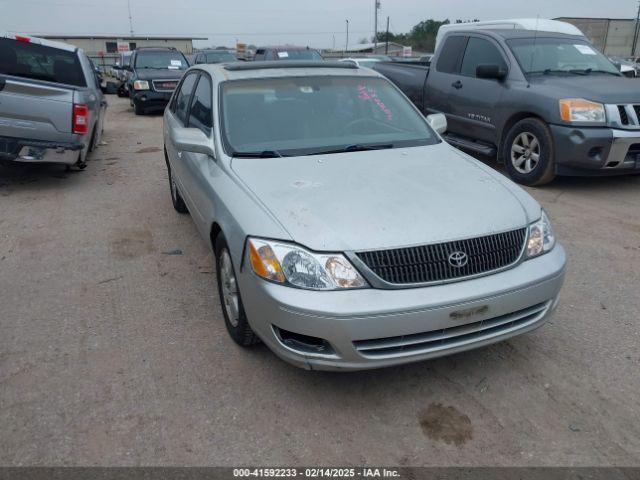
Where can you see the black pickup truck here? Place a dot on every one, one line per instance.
(546, 104)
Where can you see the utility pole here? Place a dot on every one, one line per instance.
(346, 45)
(130, 20)
(635, 33)
(386, 48)
(375, 27)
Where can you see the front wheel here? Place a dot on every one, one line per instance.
(528, 153)
(235, 318)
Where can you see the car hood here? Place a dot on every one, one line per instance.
(596, 87)
(385, 199)
(163, 73)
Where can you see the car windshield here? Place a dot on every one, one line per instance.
(161, 60)
(314, 115)
(220, 57)
(547, 56)
(298, 55)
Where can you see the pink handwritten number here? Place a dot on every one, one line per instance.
(365, 94)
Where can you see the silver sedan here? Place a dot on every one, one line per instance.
(347, 234)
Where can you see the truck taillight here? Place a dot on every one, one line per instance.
(22, 38)
(80, 119)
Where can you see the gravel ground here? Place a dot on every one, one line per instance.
(113, 350)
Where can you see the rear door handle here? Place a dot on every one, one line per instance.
(457, 84)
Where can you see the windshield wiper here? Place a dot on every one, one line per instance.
(356, 147)
(592, 70)
(262, 154)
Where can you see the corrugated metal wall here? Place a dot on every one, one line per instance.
(612, 36)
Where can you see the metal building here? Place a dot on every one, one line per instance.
(612, 36)
(105, 49)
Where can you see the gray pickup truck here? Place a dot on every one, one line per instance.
(51, 105)
(545, 103)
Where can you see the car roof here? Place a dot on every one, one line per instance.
(284, 47)
(285, 68)
(517, 33)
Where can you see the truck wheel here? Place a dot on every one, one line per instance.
(528, 153)
(235, 318)
(137, 109)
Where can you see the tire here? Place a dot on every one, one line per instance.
(176, 198)
(137, 109)
(528, 153)
(235, 318)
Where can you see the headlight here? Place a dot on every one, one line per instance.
(294, 265)
(141, 85)
(541, 237)
(581, 110)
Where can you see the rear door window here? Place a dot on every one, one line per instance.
(30, 60)
(480, 52)
(450, 54)
(183, 96)
(200, 115)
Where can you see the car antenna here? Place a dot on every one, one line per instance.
(535, 42)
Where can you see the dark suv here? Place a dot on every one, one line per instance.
(286, 53)
(154, 74)
(214, 56)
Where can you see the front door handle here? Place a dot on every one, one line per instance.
(457, 84)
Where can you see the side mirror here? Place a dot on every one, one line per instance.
(490, 71)
(193, 140)
(438, 122)
(618, 66)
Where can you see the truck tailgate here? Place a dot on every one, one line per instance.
(35, 110)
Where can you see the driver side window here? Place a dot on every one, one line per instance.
(480, 52)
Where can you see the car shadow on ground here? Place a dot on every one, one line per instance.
(24, 176)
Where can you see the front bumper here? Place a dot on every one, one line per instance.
(39, 151)
(150, 99)
(596, 150)
(372, 328)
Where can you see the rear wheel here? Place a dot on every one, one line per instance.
(528, 153)
(235, 318)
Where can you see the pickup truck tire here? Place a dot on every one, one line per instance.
(176, 198)
(235, 318)
(528, 153)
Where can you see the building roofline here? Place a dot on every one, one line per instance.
(116, 36)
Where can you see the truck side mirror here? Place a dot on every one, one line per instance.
(490, 71)
(438, 122)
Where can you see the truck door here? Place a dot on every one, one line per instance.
(442, 73)
(473, 102)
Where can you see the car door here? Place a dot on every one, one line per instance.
(198, 167)
(177, 117)
(473, 101)
(442, 74)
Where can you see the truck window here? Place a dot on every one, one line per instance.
(30, 60)
(183, 96)
(200, 115)
(449, 56)
(259, 55)
(480, 52)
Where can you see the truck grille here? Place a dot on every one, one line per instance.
(445, 338)
(623, 116)
(434, 263)
(165, 85)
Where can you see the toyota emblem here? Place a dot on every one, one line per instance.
(458, 259)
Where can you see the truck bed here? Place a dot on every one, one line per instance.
(409, 77)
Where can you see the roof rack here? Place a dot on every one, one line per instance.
(235, 67)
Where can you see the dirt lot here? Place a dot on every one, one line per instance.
(113, 349)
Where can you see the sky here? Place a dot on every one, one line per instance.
(319, 24)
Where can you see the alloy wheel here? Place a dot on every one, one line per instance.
(229, 286)
(525, 152)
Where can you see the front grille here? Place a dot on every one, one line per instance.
(165, 85)
(624, 118)
(430, 263)
(445, 338)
